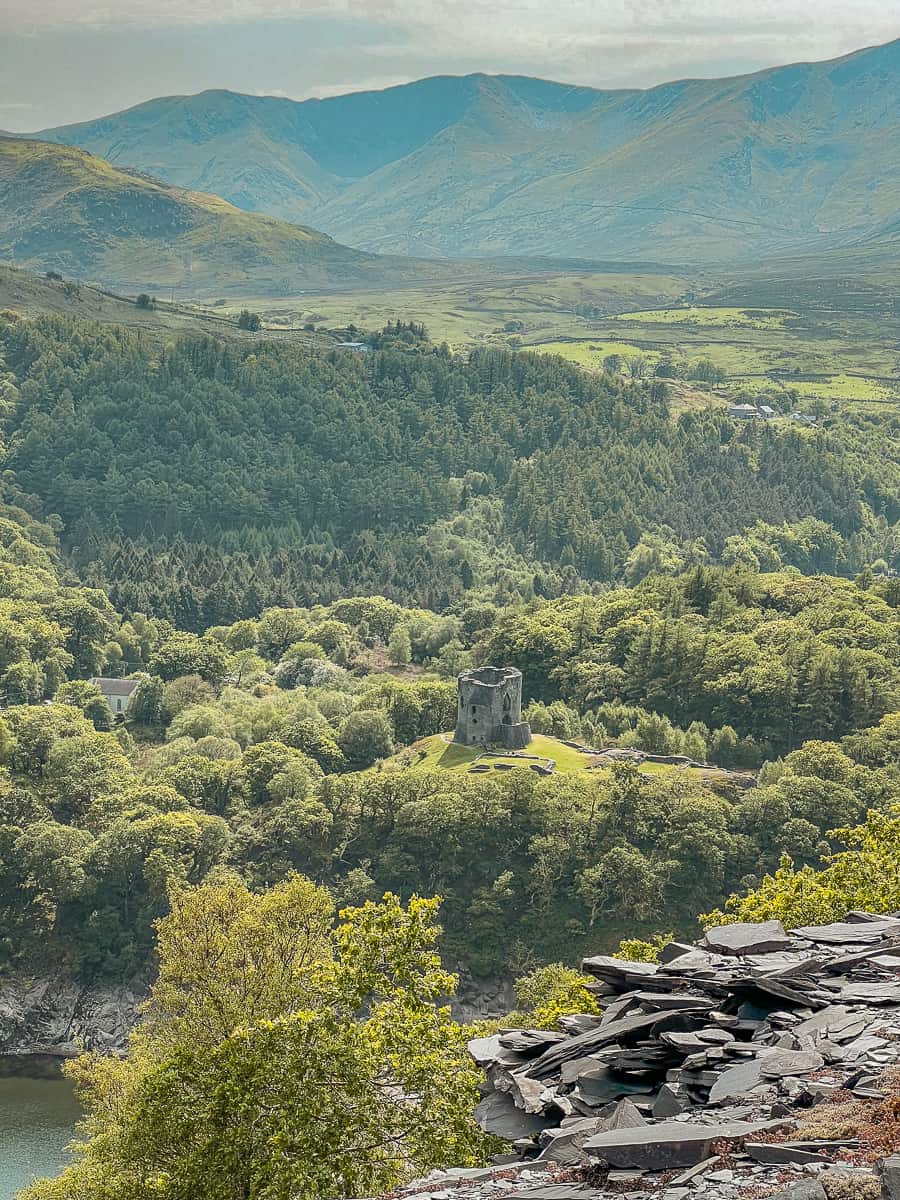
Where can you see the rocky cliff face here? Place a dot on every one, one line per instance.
(482, 999)
(46, 1020)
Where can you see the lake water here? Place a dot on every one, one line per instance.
(37, 1121)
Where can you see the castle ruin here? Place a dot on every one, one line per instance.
(489, 709)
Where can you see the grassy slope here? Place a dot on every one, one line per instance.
(439, 753)
(64, 209)
(29, 294)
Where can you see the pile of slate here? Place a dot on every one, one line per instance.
(717, 1042)
(696, 1065)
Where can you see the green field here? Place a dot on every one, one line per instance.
(849, 387)
(718, 318)
(591, 353)
(853, 361)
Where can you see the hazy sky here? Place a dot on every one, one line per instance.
(67, 60)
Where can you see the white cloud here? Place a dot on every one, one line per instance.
(521, 25)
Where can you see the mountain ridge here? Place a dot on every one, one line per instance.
(784, 160)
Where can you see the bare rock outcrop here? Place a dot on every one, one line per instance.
(54, 1018)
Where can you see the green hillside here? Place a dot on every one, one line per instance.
(239, 476)
(69, 211)
(793, 160)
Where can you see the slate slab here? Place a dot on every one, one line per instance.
(744, 937)
(807, 1189)
(872, 993)
(671, 1000)
(777, 1153)
(562, 1191)
(673, 950)
(498, 1114)
(529, 1094)
(484, 1050)
(550, 1062)
(563, 1145)
(624, 1115)
(530, 1041)
(779, 1063)
(831, 1019)
(668, 1103)
(848, 932)
(667, 1145)
(736, 1081)
(604, 966)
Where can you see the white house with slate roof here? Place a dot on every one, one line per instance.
(117, 692)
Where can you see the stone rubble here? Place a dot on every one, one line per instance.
(689, 1084)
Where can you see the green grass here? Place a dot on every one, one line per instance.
(436, 753)
(723, 318)
(591, 353)
(848, 387)
(447, 755)
(651, 768)
(851, 361)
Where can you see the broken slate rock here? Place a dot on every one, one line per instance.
(667, 1145)
(807, 1189)
(529, 1094)
(737, 1081)
(616, 970)
(530, 1041)
(762, 937)
(847, 932)
(668, 1104)
(779, 1063)
(563, 1145)
(673, 950)
(623, 1115)
(872, 993)
(563, 1191)
(778, 1153)
(497, 1114)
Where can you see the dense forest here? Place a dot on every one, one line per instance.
(302, 550)
(203, 482)
(269, 746)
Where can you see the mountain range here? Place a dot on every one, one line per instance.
(793, 160)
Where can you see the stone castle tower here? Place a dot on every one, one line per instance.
(489, 709)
